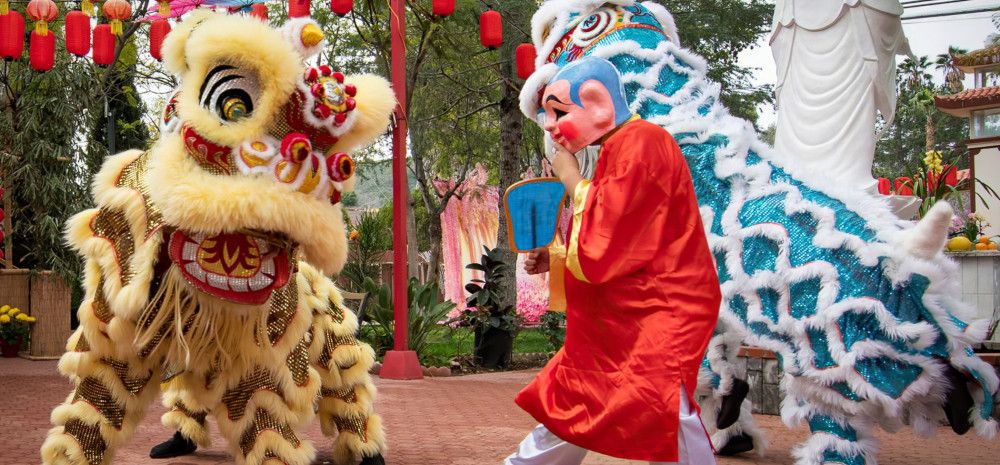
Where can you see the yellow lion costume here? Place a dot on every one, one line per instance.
(207, 256)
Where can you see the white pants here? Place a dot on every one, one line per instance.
(541, 447)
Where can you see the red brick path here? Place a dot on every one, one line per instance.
(468, 420)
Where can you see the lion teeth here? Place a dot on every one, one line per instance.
(268, 267)
(218, 281)
(190, 251)
(239, 284)
(259, 282)
(194, 270)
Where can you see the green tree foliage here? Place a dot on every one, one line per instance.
(48, 150)
(719, 30)
(917, 125)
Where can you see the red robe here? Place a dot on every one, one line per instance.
(642, 298)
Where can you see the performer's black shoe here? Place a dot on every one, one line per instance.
(731, 403)
(375, 460)
(173, 447)
(737, 445)
(958, 402)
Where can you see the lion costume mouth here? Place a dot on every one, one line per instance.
(239, 267)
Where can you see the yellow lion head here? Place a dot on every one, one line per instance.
(254, 152)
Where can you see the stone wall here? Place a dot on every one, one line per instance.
(764, 378)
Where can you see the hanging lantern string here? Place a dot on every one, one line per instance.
(396, 18)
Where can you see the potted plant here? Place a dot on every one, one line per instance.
(15, 328)
(494, 325)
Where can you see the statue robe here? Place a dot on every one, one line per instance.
(642, 299)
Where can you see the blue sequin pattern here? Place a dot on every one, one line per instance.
(807, 276)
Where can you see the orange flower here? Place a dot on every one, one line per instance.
(354, 235)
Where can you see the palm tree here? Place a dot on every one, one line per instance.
(952, 75)
(915, 72)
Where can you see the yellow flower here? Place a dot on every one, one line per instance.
(14, 311)
(3, 310)
(4, 319)
(31, 319)
(22, 317)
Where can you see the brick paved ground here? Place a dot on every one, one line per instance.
(467, 420)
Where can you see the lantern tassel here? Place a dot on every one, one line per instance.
(116, 27)
(42, 28)
(164, 10)
(87, 7)
(4, 7)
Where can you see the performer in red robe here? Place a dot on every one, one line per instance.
(641, 289)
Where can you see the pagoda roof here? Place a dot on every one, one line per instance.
(968, 62)
(963, 103)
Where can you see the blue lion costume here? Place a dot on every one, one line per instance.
(862, 310)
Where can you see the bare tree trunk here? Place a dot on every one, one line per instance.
(511, 131)
(931, 131)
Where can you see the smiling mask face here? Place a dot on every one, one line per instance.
(582, 103)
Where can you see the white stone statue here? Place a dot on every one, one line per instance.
(836, 65)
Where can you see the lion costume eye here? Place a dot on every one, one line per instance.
(229, 92)
(591, 28)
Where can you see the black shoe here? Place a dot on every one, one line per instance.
(731, 403)
(958, 401)
(173, 447)
(737, 445)
(375, 460)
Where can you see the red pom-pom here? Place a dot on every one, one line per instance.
(296, 147)
(340, 167)
(350, 104)
(12, 35)
(351, 90)
(43, 51)
(104, 45)
(77, 33)
(157, 33)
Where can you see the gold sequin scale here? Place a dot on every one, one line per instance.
(113, 226)
(264, 421)
(134, 177)
(92, 391)
(90, 440)
(236, 398)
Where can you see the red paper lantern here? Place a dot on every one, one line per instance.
(903, 186)
(77, 33)
(341, 7)
(117, 11)
(883, 186)
(43, 51)
(525, 56)
(443, 7)
(41, 12)
(298, 8)
(104, 45)
(259, 11)
(158, 30)
(12, 35)
(491, 29)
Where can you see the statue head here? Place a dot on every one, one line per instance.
(583, 102)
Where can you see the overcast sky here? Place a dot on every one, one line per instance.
(928, 37)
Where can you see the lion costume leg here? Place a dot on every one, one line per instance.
(112, 390)
(185, 412)
(348, 394)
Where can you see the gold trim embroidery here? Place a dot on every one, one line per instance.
(573, 249)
